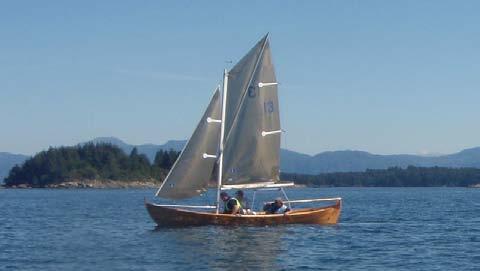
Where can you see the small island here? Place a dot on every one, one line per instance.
(91, 166)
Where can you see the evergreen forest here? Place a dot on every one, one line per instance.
(89, 162)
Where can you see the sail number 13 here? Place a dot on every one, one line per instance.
(268, 107)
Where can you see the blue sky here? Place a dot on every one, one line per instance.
(380, 76)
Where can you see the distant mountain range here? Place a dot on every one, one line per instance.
(148, 149)
(351, 161)
(7, 161)
(294, 162)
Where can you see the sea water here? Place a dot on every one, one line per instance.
(379, 229)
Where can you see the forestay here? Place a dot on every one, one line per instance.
(192, 171)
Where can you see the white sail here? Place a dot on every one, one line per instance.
(252, 141)
(192, 171)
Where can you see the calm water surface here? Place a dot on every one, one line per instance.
(380, 229)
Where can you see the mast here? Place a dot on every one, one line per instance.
(222, 132)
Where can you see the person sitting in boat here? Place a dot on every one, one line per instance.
(276, 207)
(244, 204)
(230, 205)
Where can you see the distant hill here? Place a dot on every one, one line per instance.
(355, 161)
(295, 162)
(7, 161)
(148, 149)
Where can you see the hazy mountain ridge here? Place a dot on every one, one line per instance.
(346, 161)
(333, 161)
(7, 161)
(148, 149)
(295, 162)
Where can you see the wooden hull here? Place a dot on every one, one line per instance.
(167, 216)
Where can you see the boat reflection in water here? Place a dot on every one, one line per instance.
(220, 248)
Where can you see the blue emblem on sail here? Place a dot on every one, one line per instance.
(252, 92)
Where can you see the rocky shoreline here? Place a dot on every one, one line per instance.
(95, 184)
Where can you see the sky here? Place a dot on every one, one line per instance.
(386, 77)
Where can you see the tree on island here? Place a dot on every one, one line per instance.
(165, 159)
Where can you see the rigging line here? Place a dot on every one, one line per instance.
(260, 55)
(204, 196)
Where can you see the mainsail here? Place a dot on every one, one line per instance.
(238, 79)
(191, 172)
(252, 141)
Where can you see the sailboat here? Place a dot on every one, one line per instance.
(237, 141)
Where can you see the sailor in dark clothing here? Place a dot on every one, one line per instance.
(276, 207)
(230, 205)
